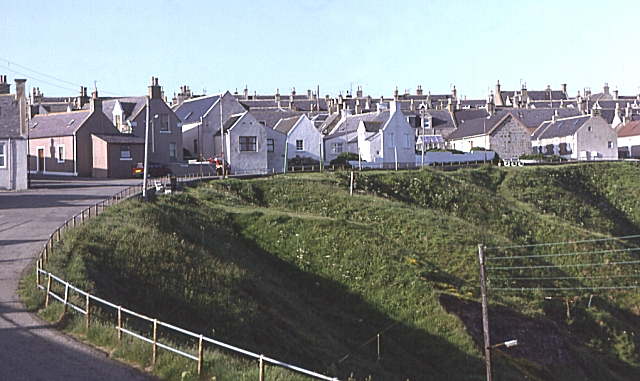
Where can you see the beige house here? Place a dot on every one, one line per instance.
(61, 143)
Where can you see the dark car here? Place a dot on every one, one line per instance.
(154, 170)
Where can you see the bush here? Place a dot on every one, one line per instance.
(344, 158)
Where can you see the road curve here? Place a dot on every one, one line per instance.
(30, 349)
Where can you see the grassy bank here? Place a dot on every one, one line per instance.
(296, 269)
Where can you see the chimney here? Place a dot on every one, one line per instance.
(245, 92)
(395, 94)
(22, 101)
(394, 106)
(412, 106)
(490, 105)
(309, 95)
(359, 92)
(606, 88)
(450, 106)
(4, 86)
(358, 107)
(278, 96)
(83, 99)
(454, 92)
(615, 94)
(155, 91)
(564, 88)
(419, 90)
(96, 103)
(499, 101)
(367, 103)
(293, 92)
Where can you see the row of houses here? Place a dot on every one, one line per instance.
(104, 137)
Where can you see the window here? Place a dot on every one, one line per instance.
(3, 155)
(390, 141)
(407, 142)
(299, 145)
(610, 144)
(60, 153)
(172, 150)
(270, 145)
(589, 128)
(164, 123)
(336, 148)
(125, 152)
(248, 143)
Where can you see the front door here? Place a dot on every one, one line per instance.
(40, 167)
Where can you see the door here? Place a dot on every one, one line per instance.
(40, 167)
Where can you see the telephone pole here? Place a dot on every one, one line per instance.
(485, 314)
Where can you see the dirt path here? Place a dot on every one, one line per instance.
(29, 348)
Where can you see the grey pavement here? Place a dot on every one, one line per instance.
(29, 348)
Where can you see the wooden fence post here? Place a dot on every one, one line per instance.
(88, 314)
(58, 234)
(119, 323)
(200, 356)
(155, 341)
(46, 301)
(38, 273)
(66, 297)
(261, 368)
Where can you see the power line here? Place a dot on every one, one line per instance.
(561, 243)
(566, 254)
(45, 75)
(558, 266)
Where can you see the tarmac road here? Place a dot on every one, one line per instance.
(30, 349)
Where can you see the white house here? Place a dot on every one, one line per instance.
(303, 138)
(587, 137)
(245, 144)
(201, 119)
(388, 142)
(276, 141)
(13, 142)
(629, 140)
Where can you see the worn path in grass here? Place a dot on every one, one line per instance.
(29, 348)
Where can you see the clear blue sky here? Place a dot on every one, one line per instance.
(338, 45)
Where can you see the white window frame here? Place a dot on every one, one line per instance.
(58, 158)
(407, 143)
(250, 141)
(301, 141)
(336, 148)
(125, 158)
(389, 140)
(271, 145)
(3, 155)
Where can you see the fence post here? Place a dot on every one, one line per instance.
(200, 356)
(74, 221)
(261, 368)
(66, 297)
(82, 218)
(155, 341)
(50, 246)
(46, 301)
(58, 234)
(119, 323)
(39, 267)
(88, 314)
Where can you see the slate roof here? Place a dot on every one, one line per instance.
(131, 106)
(533, 118)
(9, 116)
(441, 119)
(481, 126)
(271, 117)
(561, 127)
(192, 109)
(351, 122)
(231, 121)
(373, 127)
(630, 129)
(463, 116)
(59, 124)
(285, 125)
(121, 139)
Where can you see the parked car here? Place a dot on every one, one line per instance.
(154, 170)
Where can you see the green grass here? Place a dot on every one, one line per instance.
(294, 268)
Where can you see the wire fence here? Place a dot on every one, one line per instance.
(86, 304)
(611, 263)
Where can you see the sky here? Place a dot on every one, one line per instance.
(218, 45)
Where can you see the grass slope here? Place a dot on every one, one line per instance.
(295, 268)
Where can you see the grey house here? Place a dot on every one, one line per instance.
(13, 133)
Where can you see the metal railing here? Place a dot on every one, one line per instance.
(90, 300)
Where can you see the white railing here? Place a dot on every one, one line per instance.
(89, 300)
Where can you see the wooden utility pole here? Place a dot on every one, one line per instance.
(485, 313)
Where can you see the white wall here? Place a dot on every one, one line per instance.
(247, 162)
(306, 131)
